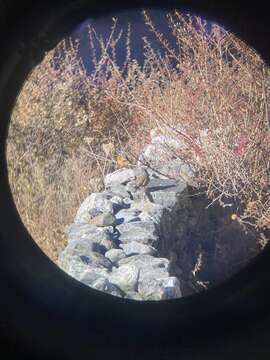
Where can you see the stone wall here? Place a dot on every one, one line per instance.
(153, 241)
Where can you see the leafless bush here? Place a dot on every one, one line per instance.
(212, 93)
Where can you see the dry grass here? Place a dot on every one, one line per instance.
(210, 92)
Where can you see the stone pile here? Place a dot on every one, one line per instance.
(148, 239)
(120, 235)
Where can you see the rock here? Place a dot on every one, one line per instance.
(119, 190)
(104, 245)
(133, 295)
(90, 275)
(73, 265)
(161, 155)
(97, 202)
(127, 202)
(157, 184)
(103, 284)
(140, 195)
(143, 232)
(160, 289)
(154, 156)
(83, 217)
(179, 170)
(148, 273)
(150, 267)
(121, 176)
(127, 215)
(136, 248)
(150, 212)
(95, 241)
(160, 152)
(167, 193)
(97, 260)
(103, 220)
(89, 232)
(131, 187)
(78, 247)
(114, 255)
(117, 200)
(125, 277)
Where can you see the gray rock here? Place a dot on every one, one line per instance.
(121, 176)
(103, 220)
(167, 193)
(117, 200)
(133, 295)
(135, 248)
(140, 195)
(179, 170)
(78, 247)
(160, 151)
(154, 155)
(97, 260)
(99, 242)
(90, 275)
(73, 265)
(125, 277)
(150, 212)
(148, 273)
(89, 232)
(150, 267)
(143, 232)
(131, 187)
(127, 215)
(119, 190)
(104, 285)
(127, 202)
(96, 202)
(160, 289)
(104, 245)
(114, 255)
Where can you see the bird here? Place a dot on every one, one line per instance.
(141, 177)
(103, 219)
(122, 161)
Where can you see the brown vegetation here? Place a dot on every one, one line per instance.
(210, 92)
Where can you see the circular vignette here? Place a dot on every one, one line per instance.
(47, 314)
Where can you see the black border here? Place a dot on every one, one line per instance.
(46, 314)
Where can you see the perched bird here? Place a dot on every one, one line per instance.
(141, 177)
(122, 161)
(103, 220)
